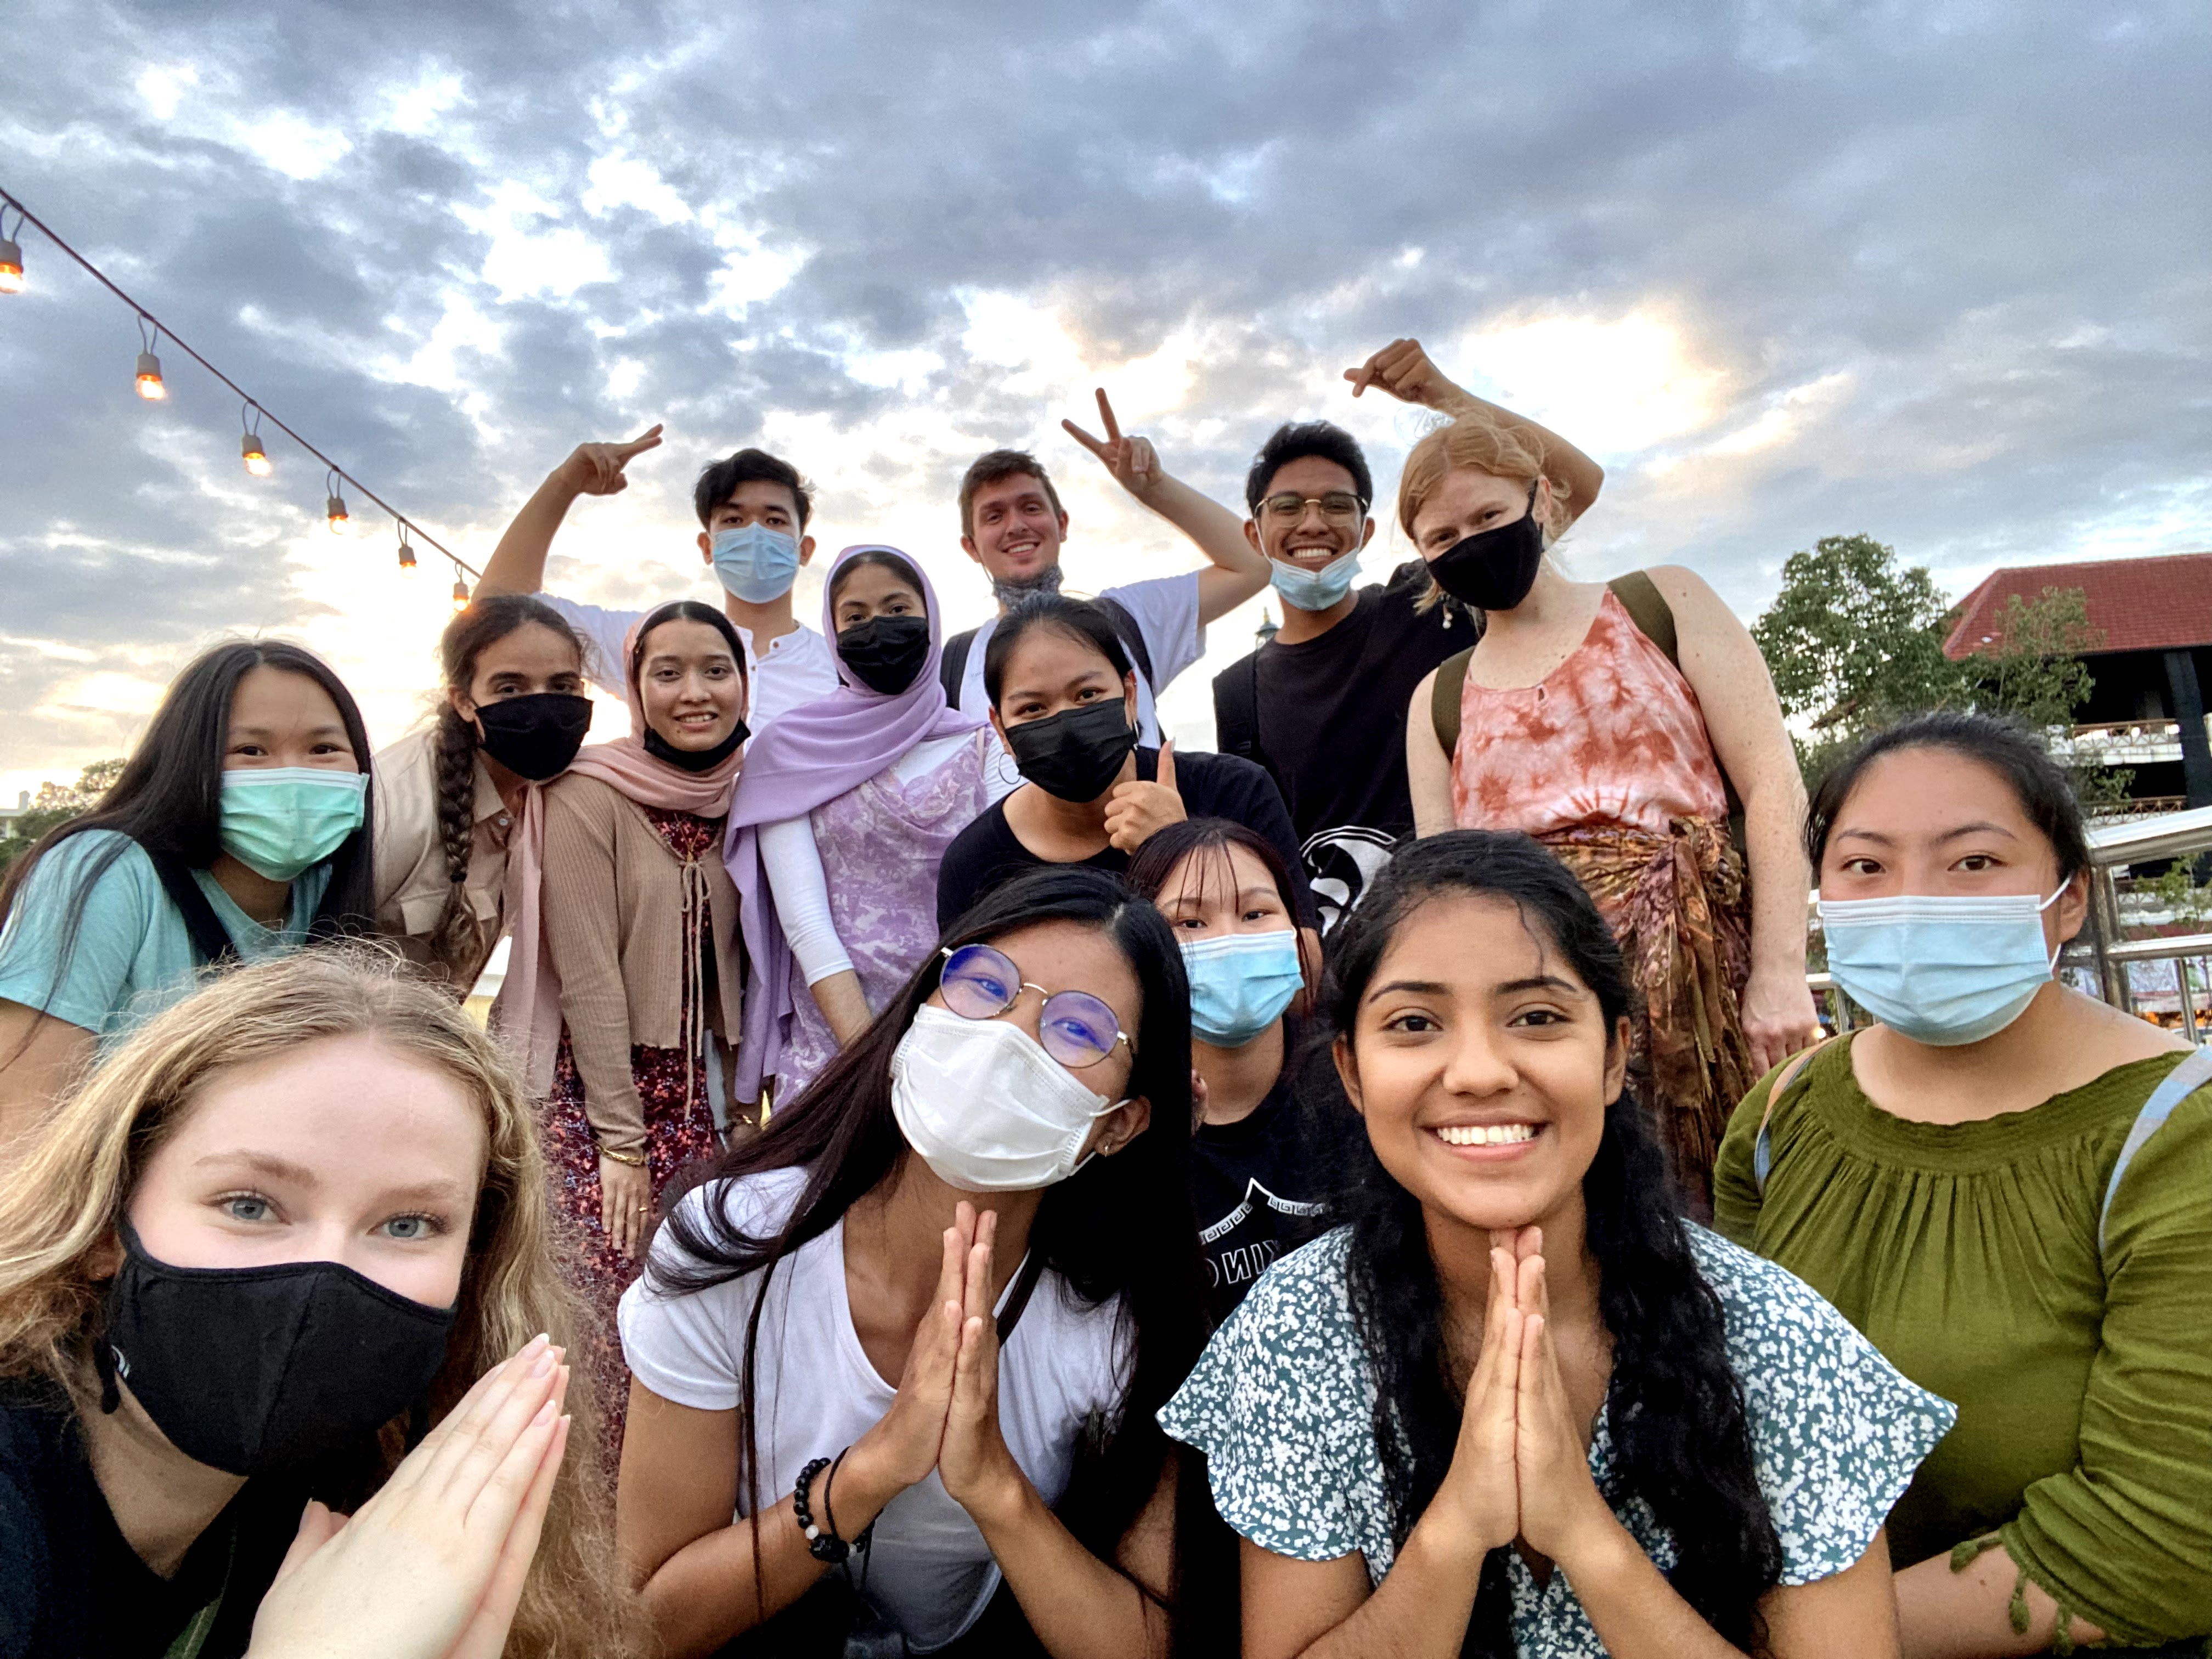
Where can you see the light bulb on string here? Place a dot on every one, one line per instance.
(12, 258)
(460, 592)
(406, 554)
(150, 367)
(249, 444)
(334, 507)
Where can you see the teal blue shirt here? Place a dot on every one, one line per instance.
(131, 955)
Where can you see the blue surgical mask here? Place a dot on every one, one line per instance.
(278, 820)
(1939, 969)
(1240, 983)
(1315, 590)
(756, 563)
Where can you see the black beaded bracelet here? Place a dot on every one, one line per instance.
(822, 1546)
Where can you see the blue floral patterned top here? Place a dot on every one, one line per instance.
(1282, 1404)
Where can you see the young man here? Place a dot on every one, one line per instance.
(752, 512)
(1011, 522)
(1323, 705)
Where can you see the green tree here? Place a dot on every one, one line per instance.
(1855, 638)
(55, 805)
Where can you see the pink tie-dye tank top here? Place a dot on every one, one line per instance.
(1613, 735)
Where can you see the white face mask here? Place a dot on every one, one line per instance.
(986, 1108)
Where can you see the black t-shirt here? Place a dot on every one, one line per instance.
(1256, 1186)
(1211, 786)
(1326, 718)
(72, 1588)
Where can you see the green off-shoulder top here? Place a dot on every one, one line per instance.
(1968, 1254)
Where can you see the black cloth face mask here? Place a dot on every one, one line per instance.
(886, 653)
(535, 736)
(694, 759)
(1493, 569)
(1075, 753)
(260, 1370)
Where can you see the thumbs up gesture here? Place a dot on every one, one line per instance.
(597, 469)
(1136, 811)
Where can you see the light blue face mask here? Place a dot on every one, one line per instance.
(1939, 969)
(755, 562)
(277, 820)
(1240, 983)
(1315, 590)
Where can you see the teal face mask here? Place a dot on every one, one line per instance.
(756, 563)
(278, 820)
(1315, 590)
(1939, 969)
(1240, 983)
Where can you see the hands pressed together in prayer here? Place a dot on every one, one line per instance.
(1521, 1469)
(946, 1414)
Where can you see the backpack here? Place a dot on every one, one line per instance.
(952, 663)
(1654, 618)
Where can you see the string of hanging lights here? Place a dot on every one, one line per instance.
(152, 331)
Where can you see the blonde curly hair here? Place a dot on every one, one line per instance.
(75, 1171)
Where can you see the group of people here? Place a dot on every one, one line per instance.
(1001, 1184)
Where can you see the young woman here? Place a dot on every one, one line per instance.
(1063, 702)
(921, 1322)
(240, 827)
(625, 966)
(1618, 750)
(1981, 1181)
(1228, 896)
(282, 1229)
(1516, 1404)
(454, 798)
(844, 808)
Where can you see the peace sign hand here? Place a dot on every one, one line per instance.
(1132, 462)
(1402, 368)
(597, 469)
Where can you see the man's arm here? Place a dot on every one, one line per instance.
(1402, 368)
(1239, 570)
(518, 563)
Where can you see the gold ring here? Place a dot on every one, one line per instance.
(645, 1209)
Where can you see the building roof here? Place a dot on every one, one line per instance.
(2162, 604)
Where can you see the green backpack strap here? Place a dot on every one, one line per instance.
(1444, 697)
(1654, 618)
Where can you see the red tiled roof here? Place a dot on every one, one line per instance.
(2162, 604)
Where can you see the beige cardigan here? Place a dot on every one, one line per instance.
(613, 900)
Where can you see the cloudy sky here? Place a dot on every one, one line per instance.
(1938, 272)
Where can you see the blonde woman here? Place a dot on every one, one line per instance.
(1620, 723)
(283, 1230)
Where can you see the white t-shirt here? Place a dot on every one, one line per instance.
(797, 668)
(1165, 610)
(927, 1568)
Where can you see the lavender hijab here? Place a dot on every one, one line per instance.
(813, 754)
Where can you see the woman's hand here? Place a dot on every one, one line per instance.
(1562, 1511)
(901, 1449)
(1778, 1018)
(1136, 810)
(1402, 368)
(432, 1566)
(625, 1202)
(978, 1471)
(1479, 1497)
(1130, 460)
(597, 469)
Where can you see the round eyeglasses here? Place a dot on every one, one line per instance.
(1076, 1029)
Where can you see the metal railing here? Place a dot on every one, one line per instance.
(2102, 948)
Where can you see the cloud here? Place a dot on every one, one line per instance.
(1937, 272)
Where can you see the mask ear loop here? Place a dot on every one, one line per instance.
(2045, 905)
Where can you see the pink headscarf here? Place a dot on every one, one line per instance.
(811, 755)
(527, 1012)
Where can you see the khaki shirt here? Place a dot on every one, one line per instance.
(411, 882)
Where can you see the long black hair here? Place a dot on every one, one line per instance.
(1120, 1226)
(168, 798)
(1681, 1433)
(487, 620)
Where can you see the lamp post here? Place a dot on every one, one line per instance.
(1265, 634)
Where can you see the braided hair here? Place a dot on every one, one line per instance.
(453, 941)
